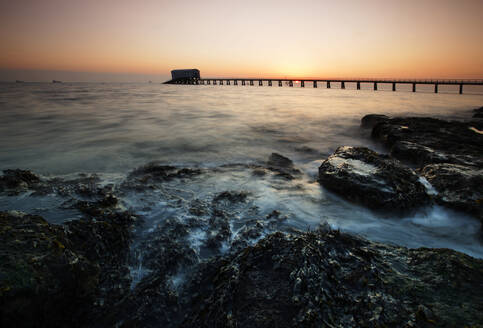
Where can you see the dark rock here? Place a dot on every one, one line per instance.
(424, 140)
(45, 280)
(277, 160)
(459, 187)
(16, 181)
(231, 196)
(330, 279)
(478, 112)
(283, 167)
(369, 121)
(361, 175)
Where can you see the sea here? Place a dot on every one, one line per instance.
(109, 129)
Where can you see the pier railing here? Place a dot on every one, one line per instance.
(315, 82)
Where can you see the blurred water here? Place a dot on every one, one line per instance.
(64, 128)
(58, 129)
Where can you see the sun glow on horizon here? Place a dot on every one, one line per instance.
(303, 40)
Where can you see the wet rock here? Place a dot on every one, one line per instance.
(45, 280)
(283, 166)
(329, 279)
(277, 160)
(459, 187)
(478, 112)
(424, 140)
(369, 121)
(16, 181)
(231, 196)
(363, 176)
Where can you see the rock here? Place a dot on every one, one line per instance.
(45, 281)
(369, 121)
(459, 187)
(16, 181)
(363, 176)
(424, 140)
(478, 112)
(329, 279)
(61, 275)
(283, 166)
(277, 160)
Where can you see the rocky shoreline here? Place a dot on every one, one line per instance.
(250, 270)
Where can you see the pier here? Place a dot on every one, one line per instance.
(316, 82)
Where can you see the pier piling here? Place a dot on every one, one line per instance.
(279, 83)
(328, 84)
(315, 84)
(260, 83)
(269, 83)
(243, 82)
(394, 86)
(414, 87)
(290, 83)
(302, 84)
(358, 85)
(461, 89)
(342, 85)
(436, 88)
(375, 86)
(251, 82)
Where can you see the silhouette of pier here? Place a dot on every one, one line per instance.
(327, 82)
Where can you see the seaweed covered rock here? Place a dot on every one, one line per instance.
(329, 279)
(44, 280)
(459, 187)
(363, 176)
(58, 275)
(424, 140)
(16, 181)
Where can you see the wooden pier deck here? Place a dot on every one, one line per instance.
(327, 82)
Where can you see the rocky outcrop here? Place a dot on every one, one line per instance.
(377, 181)
(459, 187)
(424, 140)
(282, 166)
(329, 279)
(57, 276)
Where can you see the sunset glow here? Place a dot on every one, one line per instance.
(298, 39)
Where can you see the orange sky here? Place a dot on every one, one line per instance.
(303, 38)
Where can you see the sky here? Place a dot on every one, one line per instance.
(121, 40)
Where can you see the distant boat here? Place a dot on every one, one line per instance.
(18, 81)
(55, 81)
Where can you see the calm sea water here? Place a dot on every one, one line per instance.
(110, 129)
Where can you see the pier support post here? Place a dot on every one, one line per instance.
(358, 85)
(461, 89)
(235, 82)
(290, 83)
(394, 86)
(342, 85)
(436, 88)
(214, 82)
(269, 83)
(221, 82)
(208, 82)
(279, 83)
(227, 82)
(315, 84)
(260, 83)
(302, 84)
(375, 86)
(251, 82)
(414, 87)
(328, 84)
(243, 82)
